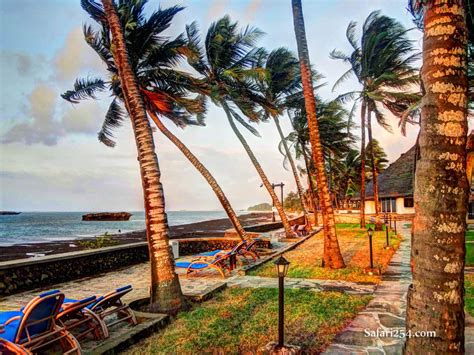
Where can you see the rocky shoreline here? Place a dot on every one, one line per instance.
(209, 229)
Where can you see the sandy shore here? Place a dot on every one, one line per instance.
(212, 228)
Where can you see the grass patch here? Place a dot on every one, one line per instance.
(102, 241)
(469, 295)
(470, 236)
(243, 320)
(354, 244)
(469, 254)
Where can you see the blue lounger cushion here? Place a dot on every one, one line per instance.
(4, 316)
(98, 299)
(185, 264)
(11, 330)
(210, 253)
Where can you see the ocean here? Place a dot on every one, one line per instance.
(37, 227)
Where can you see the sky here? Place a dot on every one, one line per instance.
(50, 159)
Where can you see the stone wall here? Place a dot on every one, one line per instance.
(28, 274)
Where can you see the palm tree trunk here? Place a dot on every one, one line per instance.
(435, 299)
(332, 255)
(362, 165)
(378, 222)
(299, 187)
(205, 174)
(165, 290)
(312, 188)
(286, 224)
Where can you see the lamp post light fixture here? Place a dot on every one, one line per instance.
(282, 266)
(370, 233)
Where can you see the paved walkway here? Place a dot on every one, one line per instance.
(387, 311)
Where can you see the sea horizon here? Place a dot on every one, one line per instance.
(50, 226)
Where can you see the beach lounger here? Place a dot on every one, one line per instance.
(220, 263)
(243, 249)
(75, 317)
(34, 327)
(9, 348)
(108, 305)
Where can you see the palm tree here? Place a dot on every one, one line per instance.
(347, 176)
(333, 257)
(227, 65)
(164, 89)
(441, 186)
(336, 139)
(282, 82)
(165, 290)
(385, 78)
(379, 156)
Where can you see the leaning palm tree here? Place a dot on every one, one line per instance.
(164, 88)
(333, 256)
(227, 65)
(336, 139)
(281, 82)
(165, 290)
(385, 80)
(441, 186)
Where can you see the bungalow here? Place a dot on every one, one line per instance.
(395, 187)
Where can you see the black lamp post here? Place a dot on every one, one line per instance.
(395, 224)
(282, 266)
(370, 232)
(386, 235)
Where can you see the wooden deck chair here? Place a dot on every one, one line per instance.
(109, 305)
(216, 252)
(249, 249)
(76, 320)
(9, 348)
(220, 264)
(35, 328)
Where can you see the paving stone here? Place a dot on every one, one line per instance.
(391, 321)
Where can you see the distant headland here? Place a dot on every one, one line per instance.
(8, 213)
(260, 207)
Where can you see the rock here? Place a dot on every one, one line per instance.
(107, 216)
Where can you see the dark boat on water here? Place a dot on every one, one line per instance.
(8, 213)
(107, 216)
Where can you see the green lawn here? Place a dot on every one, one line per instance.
(243, 320)
(469, 295)
(469, 235)
(305, 260)
(469, 254)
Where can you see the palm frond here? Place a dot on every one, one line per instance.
(113, 119)
(95, 11)
(84, 89)
(244, 123)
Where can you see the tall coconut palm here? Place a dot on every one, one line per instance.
(435, 298)
(164, 88)
(385, 79)
(282, 81)
(227, 65)
(165, 290)
(333, 256)
(336, 139)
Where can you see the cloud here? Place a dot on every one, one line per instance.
(75, 56)
(44, 126)
(251, 10)
(217, 9)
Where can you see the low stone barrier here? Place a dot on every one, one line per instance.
(28, 274)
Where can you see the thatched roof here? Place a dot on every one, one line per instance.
(397, 180)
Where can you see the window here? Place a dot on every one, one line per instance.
(388, 205)
(408, 202)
